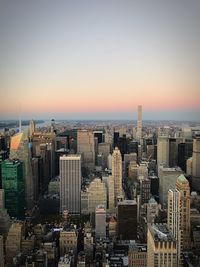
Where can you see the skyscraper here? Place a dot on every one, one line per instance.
(85, 147)
(174, 219)
(196, 164)
(127, 220)
(163, 151)
(70, 183)
(139, 124)
(20, 149)
(182, 185)
(100, 221)
(13, 185)
(117, 173)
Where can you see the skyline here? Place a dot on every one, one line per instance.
(99, 60)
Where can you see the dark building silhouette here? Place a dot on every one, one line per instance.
(184, 152)
(127, 220)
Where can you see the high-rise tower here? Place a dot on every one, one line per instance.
(70, 183)
(196, 164)
(117, 173)
(139, 123)
(174, 219)
(182, 185)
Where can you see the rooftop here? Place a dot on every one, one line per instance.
(161, 233)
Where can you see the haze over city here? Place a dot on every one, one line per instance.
(99, 59)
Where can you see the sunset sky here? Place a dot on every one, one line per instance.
(95, 59)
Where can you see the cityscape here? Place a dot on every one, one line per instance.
(99, 134)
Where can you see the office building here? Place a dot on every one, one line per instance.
(1, 251)
(152, 210)
(86, 147)
(104, 150)
(14, 188)
(70, 183)
(4, 217)
(174, 219)
(182, 185)
(32, 128)
(13, 241)
(137, 255)
(21, 148)
(145, 190)
(100, 221)
(117, 173)
(161, 246)
(196, 164)
(68, 241)
(95, 195)
(167, 180)
(162, 151)
(139, 124)
(184, 153)
(111, 194)
(127, 220)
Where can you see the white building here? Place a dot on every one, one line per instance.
(70, 183)
(162, 151)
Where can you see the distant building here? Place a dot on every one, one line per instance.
(162, 151)
(127, 220)
(117, 173)
(167, 180)
(139, 124)
(161, 246)
(97, 195)
(196, 164)
(86, 147)
(183, 187)
(70, 183)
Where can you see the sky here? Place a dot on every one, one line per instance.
(90, 59)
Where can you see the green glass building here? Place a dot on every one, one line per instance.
(14, 187)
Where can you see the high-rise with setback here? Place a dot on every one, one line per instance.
(70, 183)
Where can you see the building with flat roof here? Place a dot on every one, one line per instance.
(70, 183)
(161, 246)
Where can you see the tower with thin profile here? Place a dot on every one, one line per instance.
(139, 123)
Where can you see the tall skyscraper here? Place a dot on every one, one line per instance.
(100, 221)
(163, 151)
(86, 147)
(20, 149)
(139, 124)
(13, 185)
(70, 183)
(174, 219)
(182, 185)
(117, 173)
(196, 164)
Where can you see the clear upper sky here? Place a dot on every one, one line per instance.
(100, 59)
